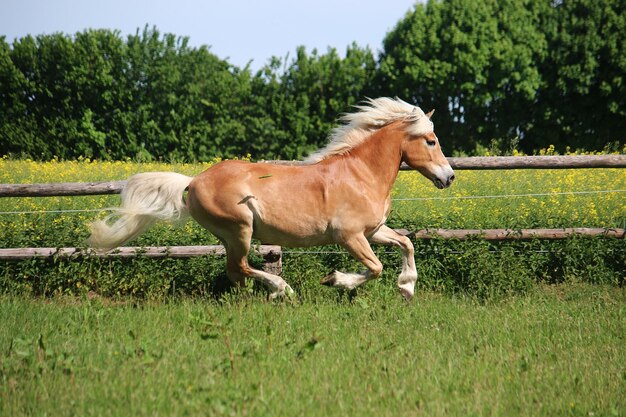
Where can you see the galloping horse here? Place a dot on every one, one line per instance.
(340, 194)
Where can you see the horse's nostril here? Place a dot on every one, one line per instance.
(450, 179)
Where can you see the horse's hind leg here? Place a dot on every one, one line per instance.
(408, 276)
(233, 270)
(237, 266)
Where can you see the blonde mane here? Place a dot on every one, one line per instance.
(373, 115)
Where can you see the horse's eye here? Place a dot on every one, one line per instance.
(430, 143)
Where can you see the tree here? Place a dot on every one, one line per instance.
(474, 62)
(151, 96)
(99, 96)
(583, 100)
(515, 72)
(303, 101)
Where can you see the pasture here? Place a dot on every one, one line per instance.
(558, 350)
(508, 328)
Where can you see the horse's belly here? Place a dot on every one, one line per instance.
(291, 234)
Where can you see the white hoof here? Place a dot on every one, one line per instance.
(407, 291)
(342, 280)
(286, 291)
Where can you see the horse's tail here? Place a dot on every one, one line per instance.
(146, 199)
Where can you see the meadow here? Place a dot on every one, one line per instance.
(557, 350)
(509, 328)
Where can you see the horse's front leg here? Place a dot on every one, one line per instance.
(359, 248)
(408, 276)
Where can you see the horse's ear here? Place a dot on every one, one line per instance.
(430, 113)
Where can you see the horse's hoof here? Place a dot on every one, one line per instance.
(286, 292)
(276, 295)
(329, 280)
(408, 295)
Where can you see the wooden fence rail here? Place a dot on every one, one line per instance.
(471, 163)
(271, 254)
(513, 234)
(523, 162)
(538, 162)
(59, 189)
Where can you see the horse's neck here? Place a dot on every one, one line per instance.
(377, 158)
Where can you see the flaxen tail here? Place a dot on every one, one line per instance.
(146, 199)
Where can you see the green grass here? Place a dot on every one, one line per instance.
(558, 350)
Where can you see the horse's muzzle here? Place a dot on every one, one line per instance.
(445, 182)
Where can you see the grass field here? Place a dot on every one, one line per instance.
(558, 350)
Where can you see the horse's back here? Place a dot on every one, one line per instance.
(284, 205)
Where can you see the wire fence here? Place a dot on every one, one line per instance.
(472, 197)
(390, 252)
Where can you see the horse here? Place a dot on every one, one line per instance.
(340, 194)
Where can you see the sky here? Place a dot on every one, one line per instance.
(237, 30)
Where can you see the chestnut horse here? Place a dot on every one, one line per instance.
(341, 194)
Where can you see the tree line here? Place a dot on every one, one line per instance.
(521, 74)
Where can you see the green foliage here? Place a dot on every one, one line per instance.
(486, 271)
(475, 62)
(516, 70)
(525, 72)
(582, 103)
(153, 97)
(306, 98)
(142, 278)
(98, 96)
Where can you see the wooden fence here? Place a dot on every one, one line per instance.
(273, 254)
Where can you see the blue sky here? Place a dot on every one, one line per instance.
(237, 30)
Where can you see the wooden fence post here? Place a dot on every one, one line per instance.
(273, 260)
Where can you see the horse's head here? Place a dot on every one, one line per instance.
(421, 151)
